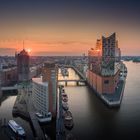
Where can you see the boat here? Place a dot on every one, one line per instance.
(16, 128)
(63, 91)
(64, 95)
(65, 99)
(43, 119)
(65, 105)
(68, 120)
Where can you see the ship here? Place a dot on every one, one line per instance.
(65, 106)
(68, 120)
(16, 128)
(106, 73)
(64, 97)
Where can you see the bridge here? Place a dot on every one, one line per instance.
(82, 77)
(72, 80)
(77, 71)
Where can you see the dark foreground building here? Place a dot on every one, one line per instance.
(23, 66)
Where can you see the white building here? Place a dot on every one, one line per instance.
(44, 90)
(40, 95)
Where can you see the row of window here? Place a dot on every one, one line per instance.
(107, 81)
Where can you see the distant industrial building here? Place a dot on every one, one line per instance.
(45, 90)
(23, 66)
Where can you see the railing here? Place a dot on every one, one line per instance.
(73, 80)
(10, 88)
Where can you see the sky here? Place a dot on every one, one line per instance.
(67, 27)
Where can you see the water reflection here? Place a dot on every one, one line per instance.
(93, 120)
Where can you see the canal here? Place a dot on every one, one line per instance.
(93, 120)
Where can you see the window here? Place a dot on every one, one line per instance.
(106, 81)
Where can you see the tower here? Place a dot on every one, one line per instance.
(49, 75)
(23, 66)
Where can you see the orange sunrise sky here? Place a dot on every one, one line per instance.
(60, 28)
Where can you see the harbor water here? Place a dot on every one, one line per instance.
(93, 120)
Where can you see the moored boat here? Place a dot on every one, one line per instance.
(65, 99)
(68, 120)
(65, 105)
(16, 128)
(63, 91)
(64, 95)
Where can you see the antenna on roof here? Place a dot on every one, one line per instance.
(23, 44)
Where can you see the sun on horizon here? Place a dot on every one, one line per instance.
(28, 50)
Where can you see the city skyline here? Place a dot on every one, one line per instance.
(51, 28)
(59, 97)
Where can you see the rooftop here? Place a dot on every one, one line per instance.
(23, 52)
(39, 81)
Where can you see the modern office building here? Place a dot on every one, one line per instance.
(45, 90)
(23, 66)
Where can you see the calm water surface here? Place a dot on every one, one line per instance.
(93, 120)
